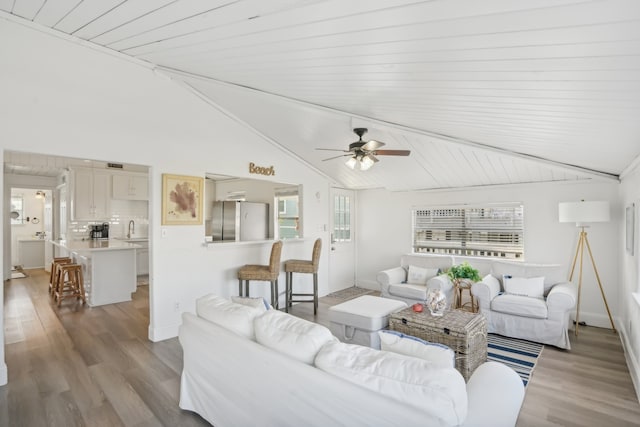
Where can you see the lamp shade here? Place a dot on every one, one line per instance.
(581, 212)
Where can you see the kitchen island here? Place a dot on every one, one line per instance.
(108, 267)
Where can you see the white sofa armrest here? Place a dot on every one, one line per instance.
(562, 297)
(485, 292)
(495, 394)
(441, 282)
(390, 277)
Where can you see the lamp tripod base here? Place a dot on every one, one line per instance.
(582, 242)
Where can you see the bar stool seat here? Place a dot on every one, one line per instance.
(266, 273)
(53, 274)
(306, 267)
(70, 283)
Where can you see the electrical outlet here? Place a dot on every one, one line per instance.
(163, 232)
(176, 306)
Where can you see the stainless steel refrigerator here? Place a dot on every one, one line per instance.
(240, 221)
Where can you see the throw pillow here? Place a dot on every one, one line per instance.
(524, 286)
(419, 275)
(437, 354)
(259, 303)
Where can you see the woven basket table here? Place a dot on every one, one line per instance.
(465, 333)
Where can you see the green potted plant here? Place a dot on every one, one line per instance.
(462, 276)
(463, 271)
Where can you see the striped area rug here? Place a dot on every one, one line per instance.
(520, 355)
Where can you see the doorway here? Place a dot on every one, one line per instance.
(342, 250)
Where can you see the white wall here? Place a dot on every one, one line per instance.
(384, 233)
(67, 99)
(629, 300)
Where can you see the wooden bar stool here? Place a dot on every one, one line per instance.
(307, 267)
(53, 275)
(70, 283)
(267, 273)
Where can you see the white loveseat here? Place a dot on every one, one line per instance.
(247, 368)
(544, 319)
(396, 283)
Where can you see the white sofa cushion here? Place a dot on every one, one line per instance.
(295, 337)
(408, 290)
(520, 306)
(419, 275)
(524, 286)
(235, 317)
(259, 303)
(439, 355)
(440, 392)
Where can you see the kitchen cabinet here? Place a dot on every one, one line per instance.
(31, 253)
(90, 195)
(142, 261)
(130, 187)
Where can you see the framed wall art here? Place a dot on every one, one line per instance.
(630, 228)
(182, 199)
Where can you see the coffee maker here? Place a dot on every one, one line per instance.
(99, 231)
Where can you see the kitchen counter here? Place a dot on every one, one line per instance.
(94, 245)
(108, 268)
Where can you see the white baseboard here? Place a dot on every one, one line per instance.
(369, 284)
(3, 374)
(163, 333)
(631, 358)
(594, 319)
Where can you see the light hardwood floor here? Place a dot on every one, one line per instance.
(74, 366)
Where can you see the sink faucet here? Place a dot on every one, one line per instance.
(132, 228)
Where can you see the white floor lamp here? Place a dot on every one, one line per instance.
(585, 212)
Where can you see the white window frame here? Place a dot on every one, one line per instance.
(488, 231)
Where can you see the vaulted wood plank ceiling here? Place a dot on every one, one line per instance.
(482, 92)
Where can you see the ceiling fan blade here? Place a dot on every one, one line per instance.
(337, 157)
(332, 149)
(392, 152)
(372, 145)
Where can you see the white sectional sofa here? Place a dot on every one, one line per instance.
(244, 366)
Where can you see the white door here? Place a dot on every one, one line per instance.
(342, 250)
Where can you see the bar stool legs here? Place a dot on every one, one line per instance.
(70, 283)
(53, 276)
(306, 267)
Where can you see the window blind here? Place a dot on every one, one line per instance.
(492, 231)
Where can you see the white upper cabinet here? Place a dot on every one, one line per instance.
(90, 196)
(130, 187)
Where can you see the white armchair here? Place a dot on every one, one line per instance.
(540, 319)
(395, 283)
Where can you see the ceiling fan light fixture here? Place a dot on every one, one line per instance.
(366, 162)
(351, 163)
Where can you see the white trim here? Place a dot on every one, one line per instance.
(3, 374)
(631, 168)
(630, 357)
(163, 333)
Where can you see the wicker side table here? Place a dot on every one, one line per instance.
(465, 333)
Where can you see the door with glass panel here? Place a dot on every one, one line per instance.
(342, 240)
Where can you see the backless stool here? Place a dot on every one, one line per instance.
(53, 275)
(267, 273)
(303, 266)
(70, 283)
